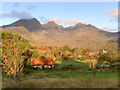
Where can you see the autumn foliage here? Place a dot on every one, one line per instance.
(13, 47)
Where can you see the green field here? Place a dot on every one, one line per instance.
(51, 73)
(77, 77)
(65, 79)
(50, 78)
(65, 70)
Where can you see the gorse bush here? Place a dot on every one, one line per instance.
(13, 47)
(110, 57)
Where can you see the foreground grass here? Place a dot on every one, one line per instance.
(65, 79)
(61, 77)
(65, 83)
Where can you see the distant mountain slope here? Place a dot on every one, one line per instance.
(111, 36)
(22, 31)
(108, 34)
(52, 34)
(51, 25)
(30, 24)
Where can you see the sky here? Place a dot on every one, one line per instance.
(103, 15)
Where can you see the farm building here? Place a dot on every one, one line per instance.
(42, 63)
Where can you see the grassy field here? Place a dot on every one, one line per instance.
(75, 64)
(65, 83)
(51, 73)
(65, 78)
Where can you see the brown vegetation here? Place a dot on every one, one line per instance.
(66, 83)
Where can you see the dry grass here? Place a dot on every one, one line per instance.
(66, 83)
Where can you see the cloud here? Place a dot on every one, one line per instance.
(16, 14)
(31, 7)
(110, 29)
(62, 21)
(67, 21)
(114, 13)
(16, 5)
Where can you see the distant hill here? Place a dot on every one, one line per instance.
(52, 34)
(30, 24)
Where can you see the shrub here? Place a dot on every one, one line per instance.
(13, 47)
(110, 57)
(66, 48)
(98, 65)
(35, 54)
(65, 57)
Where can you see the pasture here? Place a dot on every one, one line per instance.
(65, 76)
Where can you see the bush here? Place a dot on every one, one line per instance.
(13, 47)
(65, 57)
(35, 54)
(110, 57)
(66, 48)
(27, 70)
(98, 65)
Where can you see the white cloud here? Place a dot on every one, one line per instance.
(110, 29)
(114, 13)
(67, 21)
(62, 21)
(16, 14)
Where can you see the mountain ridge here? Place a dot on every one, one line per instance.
(39, 26)
(52, 34)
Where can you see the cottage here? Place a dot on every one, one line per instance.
(42, 63)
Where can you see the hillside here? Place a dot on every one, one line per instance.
(52, 34)
(30, 24)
